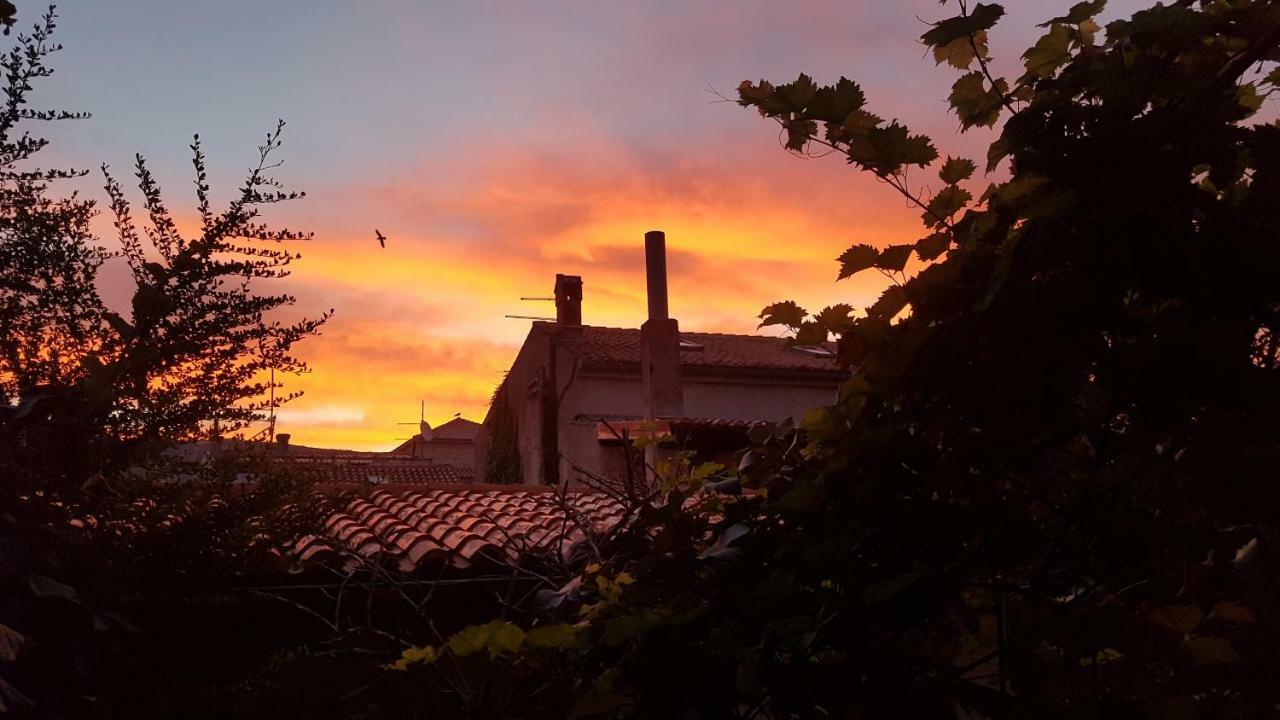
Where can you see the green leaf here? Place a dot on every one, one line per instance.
(959, 53)
(974, 104)
(561, 636)
(811, 333)
(798, 133)
(931, 247)
(955, 170)
(1049, 53)
(625, 627)
(1235, 613)
(835, 103)
(411, 655)
(1207, 650)
(1273, 77)
(1087, 31)
(1248, 98)
(950, 200)
(894, 257)
(835, 318)
(860, 121)
(891, 302)
(982, 18)
(496, 636)
(796, 95)
(782, 313)
(1078, 13)
(762, 97)
(885, 150)
(856, 259)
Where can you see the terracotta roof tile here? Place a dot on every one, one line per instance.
(757, 352)
(457, 430)
(391, 472)
(459, 526)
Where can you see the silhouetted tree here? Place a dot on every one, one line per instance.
(109, 542)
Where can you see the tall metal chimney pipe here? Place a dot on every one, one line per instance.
(655, 266)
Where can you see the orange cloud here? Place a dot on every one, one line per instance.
(423, 319)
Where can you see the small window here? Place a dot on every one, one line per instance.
(814, 350)
(690, 345)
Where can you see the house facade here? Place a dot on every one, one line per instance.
(453, 443)
(574, 389)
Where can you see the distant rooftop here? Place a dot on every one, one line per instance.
(710, 350)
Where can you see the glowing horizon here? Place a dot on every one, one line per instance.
(497, 144)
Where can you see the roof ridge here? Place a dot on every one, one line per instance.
(548, 324)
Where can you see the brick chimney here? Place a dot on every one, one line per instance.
(659, 338)
(568, 300)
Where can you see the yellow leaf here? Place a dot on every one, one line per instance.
(1181, 619)
(1102, 657)
(959, 52)
(1211, 651)
(1233, 612)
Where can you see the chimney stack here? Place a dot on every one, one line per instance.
(659, 338)
(568, 300)
(282, 443)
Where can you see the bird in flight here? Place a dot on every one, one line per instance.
(382, 239)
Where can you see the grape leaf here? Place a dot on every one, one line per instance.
(984, 17)
(856, 259)
(885, 150)
(796, 95)
(785, 312)
(835, 103)
(931, 247)
(974, 103)
(891, 302)
(860, 121)
(1078, 13)
(959, 53)
(956, 169)
(835, 318)
(946, 203)
(894, 257)
(762, 96)
(1248, 98)
(1049, 53)
(1208, 650)
(798, 133)
(811, 333)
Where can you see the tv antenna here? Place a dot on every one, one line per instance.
(526, 298)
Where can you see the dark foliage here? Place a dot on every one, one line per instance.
(1048, 489)
(503, 458)
(106, 532)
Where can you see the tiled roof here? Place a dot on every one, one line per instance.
(456, 430)
(460, 526)
(757, 352)
(398, 473)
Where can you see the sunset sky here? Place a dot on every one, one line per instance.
(497, 144)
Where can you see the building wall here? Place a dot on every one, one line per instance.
(457, 454)
(722, 396)
(544, 376)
